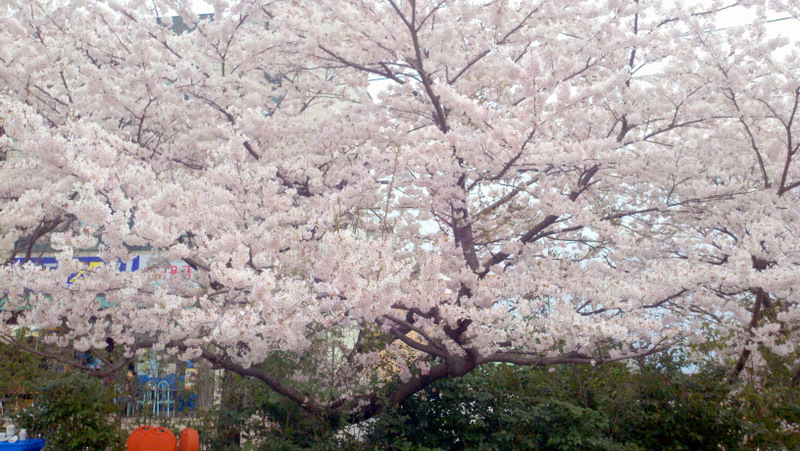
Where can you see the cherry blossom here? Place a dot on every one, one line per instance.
(535, 183)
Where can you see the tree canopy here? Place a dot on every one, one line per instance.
(383, 193)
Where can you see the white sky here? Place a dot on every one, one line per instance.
(780, 25)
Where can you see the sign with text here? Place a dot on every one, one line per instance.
(160, 270)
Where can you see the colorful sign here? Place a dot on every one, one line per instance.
(160, 271)
(93, 262)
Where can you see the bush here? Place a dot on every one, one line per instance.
(567, 408)
(73, 412)
(17, 368)
(265, 419)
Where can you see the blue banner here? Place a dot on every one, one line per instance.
(93, 262)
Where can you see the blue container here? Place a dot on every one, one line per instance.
(23, 445)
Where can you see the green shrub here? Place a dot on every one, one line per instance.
(72, 411)
(266, 420)
(17, 367)
(569, 407)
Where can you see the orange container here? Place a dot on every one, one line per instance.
(157, 439)
(135, 438)
(189, 440)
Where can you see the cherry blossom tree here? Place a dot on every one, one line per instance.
(383, 193)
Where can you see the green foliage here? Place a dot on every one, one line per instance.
(770, 405)
(250, 409)
(17, 367)
(665, 408)
(770, 417)
(72, 411)
(646, 405)
(567, 408)
(492, 408)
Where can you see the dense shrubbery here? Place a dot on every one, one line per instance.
(73, 412)
(649, 404)
(656, 406)
(653, 404)
(249, 409)
(17, 369)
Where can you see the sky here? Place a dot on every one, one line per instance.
(781, 24)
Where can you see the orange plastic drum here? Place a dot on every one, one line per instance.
(157, 439)
(135, 438)
(189, 441)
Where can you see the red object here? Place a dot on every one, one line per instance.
(136, 437)
(158, 439)
(149, 438)
(189, 441)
